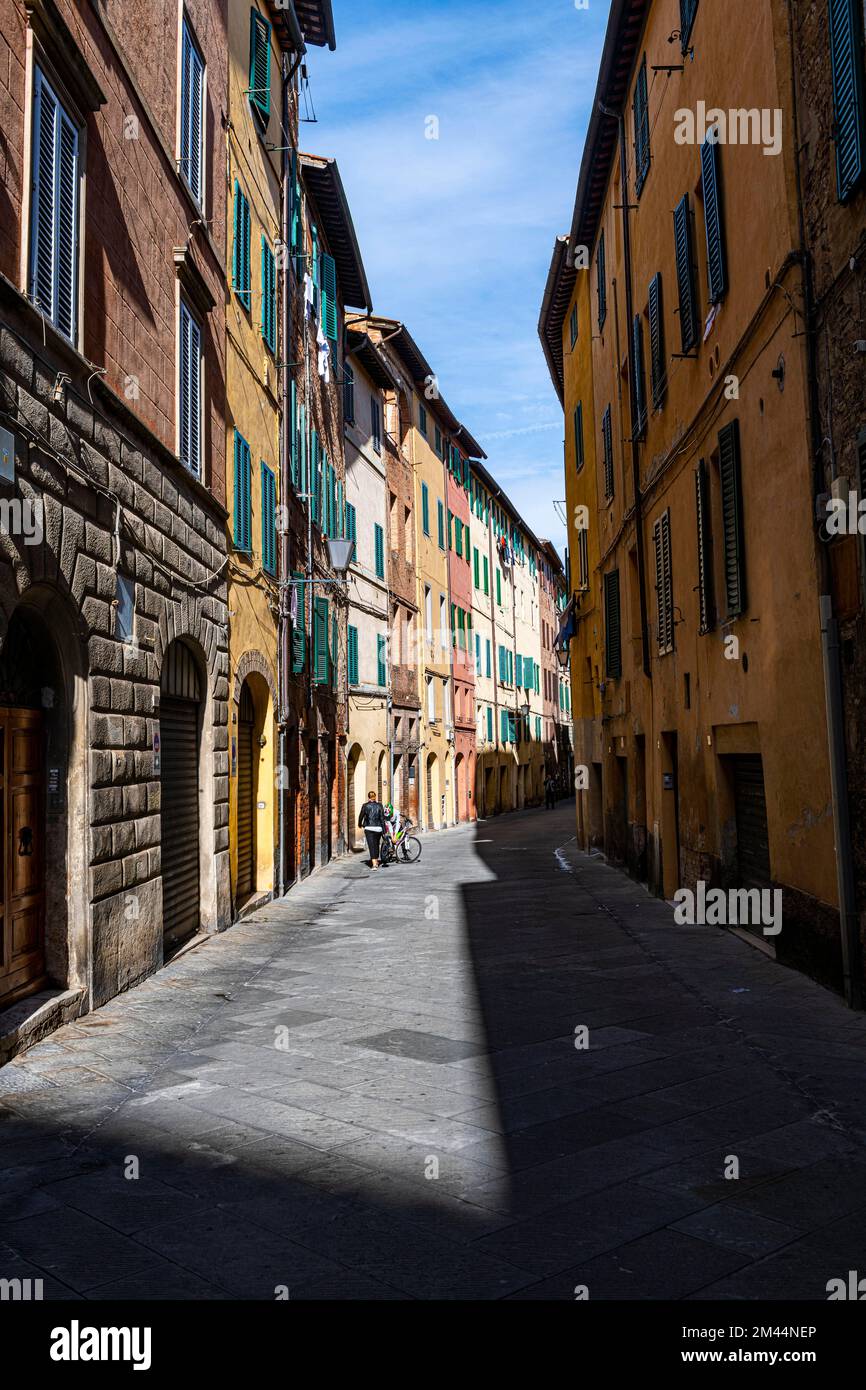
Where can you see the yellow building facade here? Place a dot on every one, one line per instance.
(696, 661)
(253, 418)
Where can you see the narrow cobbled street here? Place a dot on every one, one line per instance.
(375, 1089)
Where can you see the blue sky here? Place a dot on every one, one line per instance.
(456, 233)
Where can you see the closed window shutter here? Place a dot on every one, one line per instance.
(243, 488)
(191, 111)
(382, 671)
(486, 575)
(583, 559)
(489, 724)
(578, 436)
(314, 474)
(607, 444)
(348, 393)
(688, 308)
(321, 654)
(329, 296)
(520, 670)
(664, 584)
(293, 436)
(425, 508)
(641, 130)
(602, 283)
(717, 267)
(190, 392)
(241, 267)
(639, 405)
(458, 530)
(54, 234)
(299, 634)
(269, 297)
(269, 519)
(341, 511)
(440, 522)
(849, 100)
(705, 568)
(732, 518)
(688, 10)
(487, 658)
(379, 539)
(658, 367)
(612, 626)
(260, 63)
(351, 523)
(352, 656)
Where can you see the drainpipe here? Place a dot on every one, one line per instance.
(635, 451)
(852, 970)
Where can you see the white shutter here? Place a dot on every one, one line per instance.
(54, 223)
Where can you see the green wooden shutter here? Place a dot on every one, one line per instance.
(458, 535)
(476, 568)
(269, 297)
(379, 538)
(299, 628)
(578, 437)
(242, 498)
(341, 510)
(353, 655)
(612, 626)
(730, 477)
(641, 130)
(321, 655)
(260, 63)
(269, 519)
(658, 368)
(717, 266)
(293, 436)
(849, 102)
(425, 508)
(499, 588)
(489, 723)
(241, 262)
(381, 664)
(601, 283)
(314, 489)
(329, 296)
(705, 563)
(519, 680)
(688, 307)
(333, 663)
(486, 574)
(639, 405)
(440, 522)
(607, 446)
(664, 584)
(351, 523)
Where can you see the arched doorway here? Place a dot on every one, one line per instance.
(432, 792)
(356, 793)
(180, 732)
(246, 835)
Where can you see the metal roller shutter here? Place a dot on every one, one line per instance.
(180, 851)
(753, 840)
(246, 839)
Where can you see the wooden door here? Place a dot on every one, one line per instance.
(22, 930)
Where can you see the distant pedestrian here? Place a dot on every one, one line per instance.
(549, 794)
(372, 822)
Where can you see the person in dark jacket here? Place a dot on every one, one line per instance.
(550, 794)
(372, 822)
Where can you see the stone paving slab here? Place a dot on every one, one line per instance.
(356, 1099)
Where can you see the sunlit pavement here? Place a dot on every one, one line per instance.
(501, 1072)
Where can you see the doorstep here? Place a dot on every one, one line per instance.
(33, 1018)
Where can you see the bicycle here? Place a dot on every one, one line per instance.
(406, 850)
